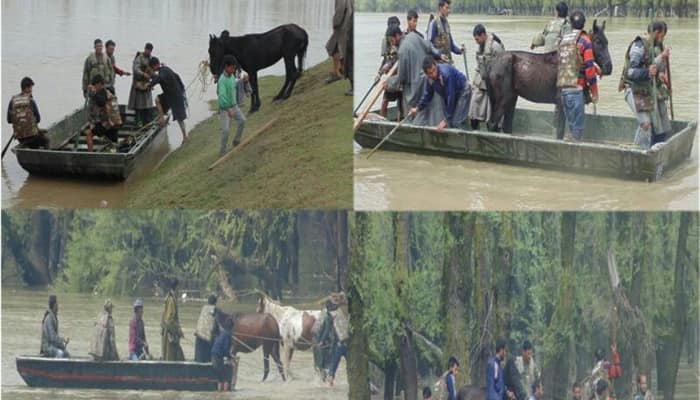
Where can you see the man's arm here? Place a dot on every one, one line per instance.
(86, 73)
(455, 49)
(9, 112)
(35, 110)
(636, 72)
(432, 30)
(339, 15)
(451, 393)
(426, 98)
(537, 41)
(590, 71)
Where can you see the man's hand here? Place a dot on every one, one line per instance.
(127, 73)
(663, 77)
(510, 394)
(652, 70)
(67, 340)
(377, 78)
(442, 125)
(532, 47)
(444, 58)
(412, 112)
(464, 48)
(666, 53)
(230, 112)
(613, 347)
(594, 97)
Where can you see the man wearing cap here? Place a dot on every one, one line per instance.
(138, 347)
(104, 346)
(207, 330)
(52, 345)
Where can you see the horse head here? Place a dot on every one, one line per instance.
(216, 56)
(261, 303)
(600, 48)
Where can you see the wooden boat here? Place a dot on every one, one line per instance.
(124, 375)
(68, 155)
(606, 150)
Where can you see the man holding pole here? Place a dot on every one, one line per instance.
(644, 73)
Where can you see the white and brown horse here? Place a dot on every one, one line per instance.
(297, 327)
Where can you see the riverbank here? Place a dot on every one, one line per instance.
(303, 161)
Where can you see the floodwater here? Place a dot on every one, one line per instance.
(22, 311)
(178, 29)
(402, 181)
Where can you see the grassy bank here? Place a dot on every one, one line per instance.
(303, 161)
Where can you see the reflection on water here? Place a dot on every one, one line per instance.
(22, 311)
(179, 31)
(405, 181)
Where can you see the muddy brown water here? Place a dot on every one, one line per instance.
(54, 55)
(22, 311)
(403, 181)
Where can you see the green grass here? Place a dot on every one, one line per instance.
(303, 161)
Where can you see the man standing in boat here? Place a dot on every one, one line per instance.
(104, 345)
(551, 36)
(207, 330)
(140, 99)
(173, 96)
(171, 331)
(453, 88)
(111, 46)
(23, 114)
(644, 70)
(104, 118)
(577, 72)
(52, 345)
(97, 63)
(390, 55)
(439, 32)
(490, 46)
(138, 346)
(410, 79)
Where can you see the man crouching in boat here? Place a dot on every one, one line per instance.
(23, 114)
(104, 119)
(52, 345)
(452, 87)
(104, 345)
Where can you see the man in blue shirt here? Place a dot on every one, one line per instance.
(495, 385)
(439, 32)
(452, 371)
(452, 87)
(220, 350)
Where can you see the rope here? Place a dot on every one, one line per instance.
(253, 350)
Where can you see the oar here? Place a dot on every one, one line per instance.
(670, 87)
(374, 98)
(386, 137)
(354, 113)
(7, 146)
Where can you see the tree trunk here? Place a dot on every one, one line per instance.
(358, 359)
(457, 290)
(407, 352)
(342, 251)
(482, 303)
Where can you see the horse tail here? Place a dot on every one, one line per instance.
(302, 52)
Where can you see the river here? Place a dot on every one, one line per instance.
(402, 181)
(22, 311)
(54, 55)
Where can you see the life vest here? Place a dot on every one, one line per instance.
(23, 118)
(140, 82)
(442, 40)
(641, 90)
(206, 323)
(570, 60)
(554, 32)
(100, 66)
(108, 115)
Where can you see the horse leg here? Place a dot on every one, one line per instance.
(254, 97)
(266, 360)
(508, 116)
(291, 76)
(295, 76)
(288, 72)
(276, 358)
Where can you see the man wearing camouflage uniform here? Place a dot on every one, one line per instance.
(529, 372)
(490, 46)
(390, 55)
(97, 63)
(140, 99)
(554, 31)
(23, 114)
(439, 32)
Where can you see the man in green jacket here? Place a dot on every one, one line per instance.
(97, 63)
(554, 31)
(226, 89)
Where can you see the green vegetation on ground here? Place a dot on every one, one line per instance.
(303, 161)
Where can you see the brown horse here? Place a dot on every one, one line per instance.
(532, 76)
(251, 331)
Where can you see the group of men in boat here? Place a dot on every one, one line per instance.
(104, 120)
(425, 68)
(503, 385)
(213, 340)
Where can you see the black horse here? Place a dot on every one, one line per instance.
(532, 76)
(511, 378)
(259, 51)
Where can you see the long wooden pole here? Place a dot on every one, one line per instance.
(374, 98)
(7, 146)
(242, 145)
(386, 137)
(670, 86)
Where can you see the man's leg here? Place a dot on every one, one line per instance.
(642, 136)
(665, 129)
(225, 127)
(183, 130)
(240, 119)
(88, 139)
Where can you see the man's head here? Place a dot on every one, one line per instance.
(444, 7)
(138, 308)
(53, 303)
(393, 35)
(98, 82)
(110, 46)
(501, 348)
(576, 391)
(412, 18)
(537, 388)
(393, 21)
(98, 46)
(229, 64)
(453, 364)
(173, 282)
(27, 85)
(108, 306)
(599, 354)
(601, 387)
(577, 19)
(148, 49)
(430, 67)
(642, 383)
(479, 34)
(562, 9)
(212, 300)
(154, 63)
(427, 394)
(527, 351)
(658, 31)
